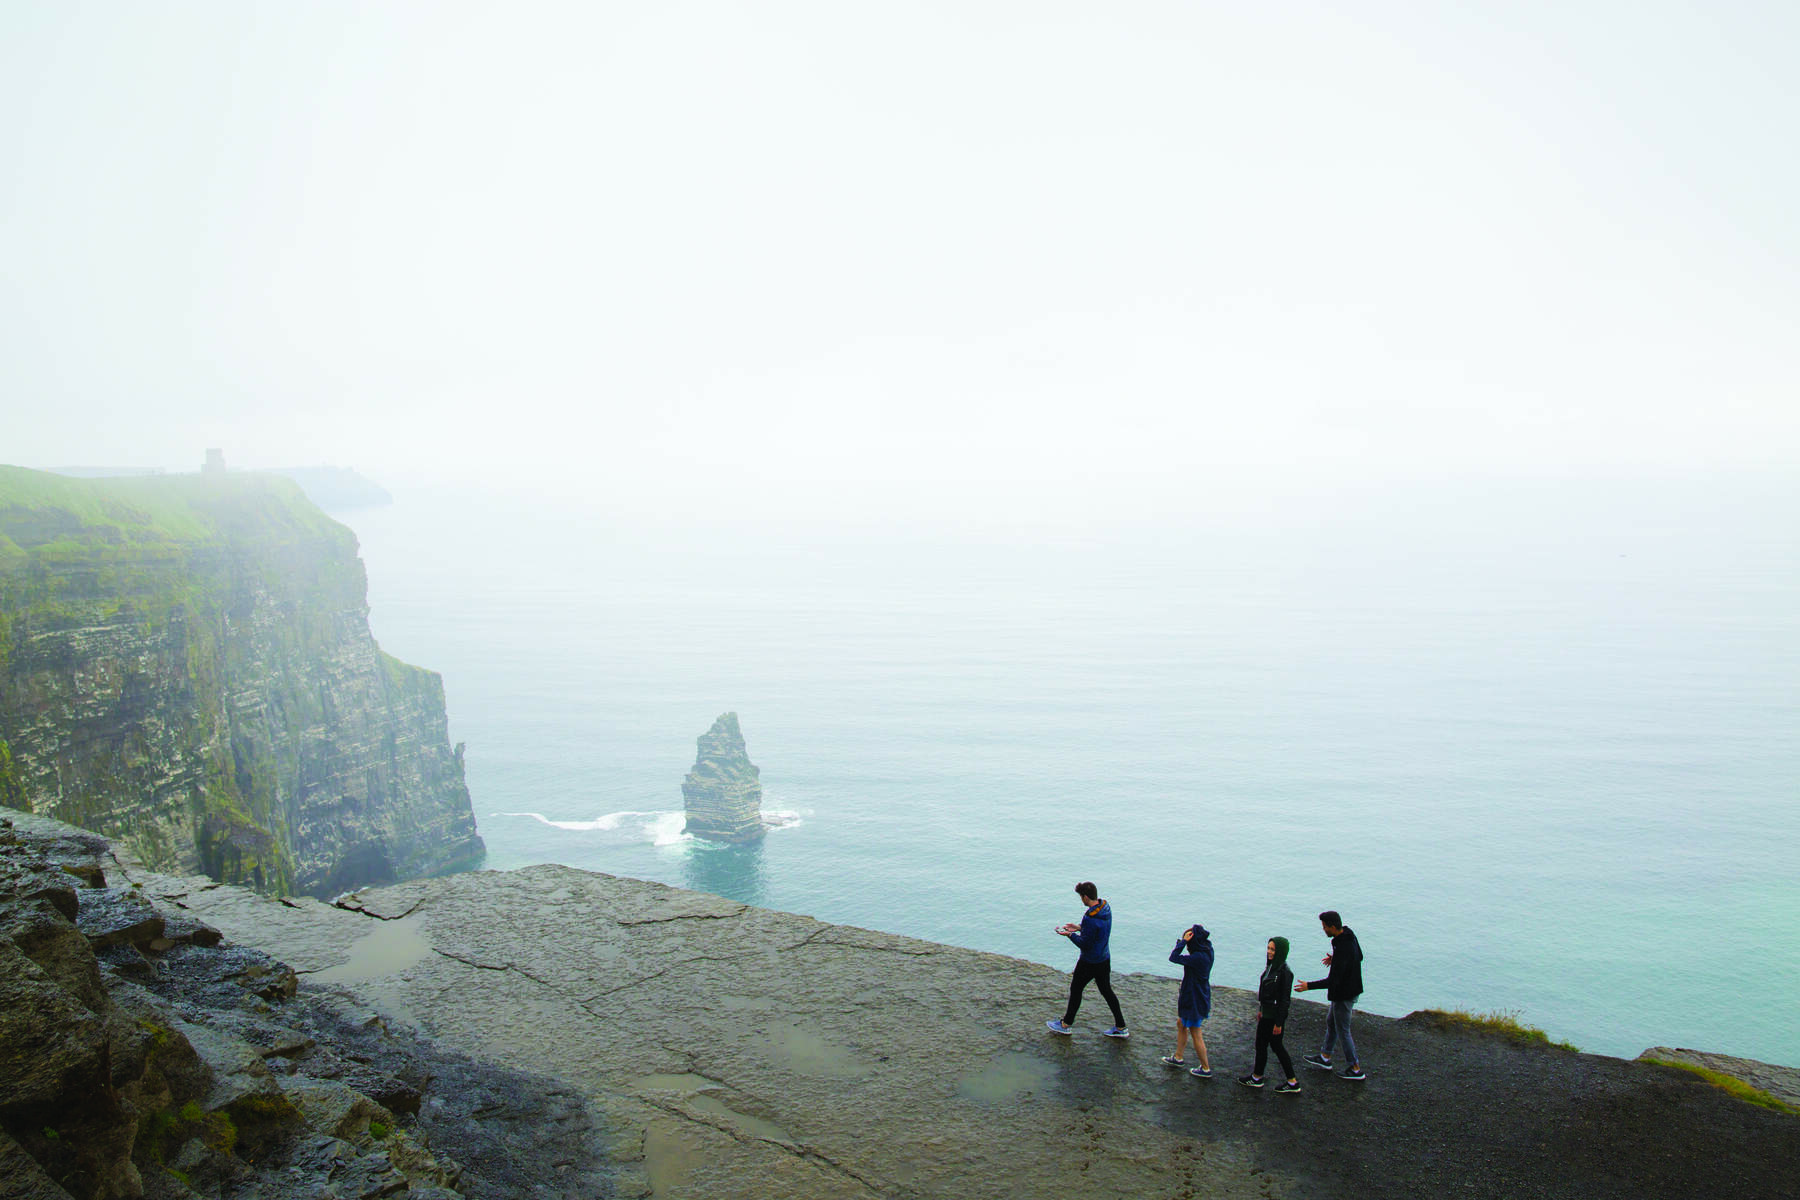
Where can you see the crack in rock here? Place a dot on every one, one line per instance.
(514, 967)
(347, 906)
(923, 951)
(798, 1150)
(808, 940)
(631, 983)
(664, 919)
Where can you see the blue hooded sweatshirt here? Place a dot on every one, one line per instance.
(1095, 933)
(1195, 958)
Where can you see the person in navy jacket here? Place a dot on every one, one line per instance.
(1092, 936)
(1193, 953)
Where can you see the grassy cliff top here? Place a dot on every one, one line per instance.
(52, 514)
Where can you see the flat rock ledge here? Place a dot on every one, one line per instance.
(718, 1050)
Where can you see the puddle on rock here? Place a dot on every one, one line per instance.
(692, 1089)
(806, 1053)
(669, 1157)
(1007, 1077)
(388, 949)
(742, 1122)
(687, 1085)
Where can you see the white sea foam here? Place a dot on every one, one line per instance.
(668, 829)
(659, 828)
(609, 821)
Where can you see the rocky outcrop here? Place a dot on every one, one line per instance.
(1782, 1084)
(186, 665)
(141, 1055)
(723, 793)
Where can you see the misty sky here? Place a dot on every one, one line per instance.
(847, 251)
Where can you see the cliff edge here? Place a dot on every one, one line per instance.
(733, 1052)
(186, 666)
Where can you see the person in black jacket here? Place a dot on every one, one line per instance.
(1342, 984)
(1272, 1001)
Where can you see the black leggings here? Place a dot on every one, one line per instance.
(1100, 973)
(1266, 1037)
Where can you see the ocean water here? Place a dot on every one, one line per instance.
(1536, 742)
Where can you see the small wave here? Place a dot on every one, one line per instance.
(608, 822)
(668, 829)
(659, 828)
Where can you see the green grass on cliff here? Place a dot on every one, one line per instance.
(60, 517)
(173, 565)
(1748, 1093)
(88, 551)
(1503, 1022)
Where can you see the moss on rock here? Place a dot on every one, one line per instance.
(186, 664)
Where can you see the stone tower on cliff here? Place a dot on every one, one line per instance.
(723, 793)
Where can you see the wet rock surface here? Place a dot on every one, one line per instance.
(617, 1037)
(737, 1052)
(139, 1056)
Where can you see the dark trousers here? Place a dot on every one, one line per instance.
(1101, 974)
(1266, 1037)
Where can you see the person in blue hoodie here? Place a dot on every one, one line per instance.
(1093, 937)
(1193, 953)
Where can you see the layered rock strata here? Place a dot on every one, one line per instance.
(723, 793)
(186, 665)
(143, 1055)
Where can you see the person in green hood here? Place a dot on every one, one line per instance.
(1273, 996)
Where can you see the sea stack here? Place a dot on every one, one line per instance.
(723, 793)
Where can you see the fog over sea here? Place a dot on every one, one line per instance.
(1536, 741)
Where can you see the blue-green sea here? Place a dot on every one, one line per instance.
(1536, 741)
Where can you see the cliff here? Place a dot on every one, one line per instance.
(556, 1033)
(733, 1052)
(723, 793)
(186, 665)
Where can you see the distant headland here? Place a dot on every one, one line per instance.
(332, 488)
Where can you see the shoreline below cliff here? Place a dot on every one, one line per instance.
(729, 1051)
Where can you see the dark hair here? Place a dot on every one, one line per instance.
(1088, 890)
(1331, 918)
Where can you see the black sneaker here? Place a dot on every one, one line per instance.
(1317, 1062)
(1287, 1089)
(1354, 1073)
(1250, 1081)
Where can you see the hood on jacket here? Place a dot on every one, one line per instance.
(1280, 959)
